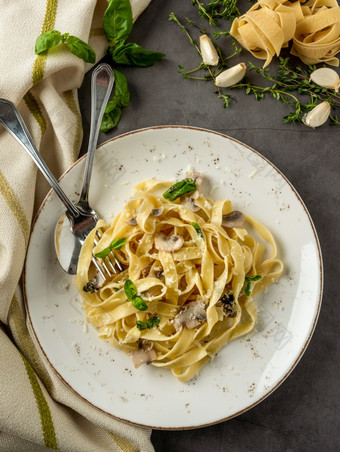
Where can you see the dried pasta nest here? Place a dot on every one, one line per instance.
(313, 27)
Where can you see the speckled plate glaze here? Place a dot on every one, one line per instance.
(246, 370)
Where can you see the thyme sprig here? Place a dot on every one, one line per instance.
(215, 10)
(291, 86)
(288, 85)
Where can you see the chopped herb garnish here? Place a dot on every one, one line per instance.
(248, 283)
(198, 229)
(180, 188)
(116, 244)
(132, 295)
(150, 323)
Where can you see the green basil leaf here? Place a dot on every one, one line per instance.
(198, 229)
(122, 93)
(111, 105)
(116, 244)
(120, 99)
(117, 21)
(103, 253)
(139, 303)
(180, 188)
(150, 323)
(110, 120)
(134, 55)
(131, 293)
(47, 40)
(129, 289)
(141, 325)
(248, 285)
(81, 49)
(254, 277)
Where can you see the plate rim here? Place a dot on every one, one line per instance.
(321, 279)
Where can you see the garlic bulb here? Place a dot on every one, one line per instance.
(231, 76)
(318, 115)
(326, 77)
(208, 51)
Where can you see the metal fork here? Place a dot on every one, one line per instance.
(106, 265)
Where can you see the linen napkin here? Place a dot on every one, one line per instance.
(37, 410)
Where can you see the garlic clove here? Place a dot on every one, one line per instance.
(326, 77)
(208, 51)
(318, 115)
(231, 76)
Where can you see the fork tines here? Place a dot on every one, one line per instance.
(107, 266)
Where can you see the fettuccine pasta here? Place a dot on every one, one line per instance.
(313, 27)
(191, 269)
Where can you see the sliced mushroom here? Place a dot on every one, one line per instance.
(234, 219)
(189, 202)
(191, 316)
(157, 212)
(132, 221)
(96, 283)
(168, 244)
(144, 355)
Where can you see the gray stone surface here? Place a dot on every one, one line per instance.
(303, 413)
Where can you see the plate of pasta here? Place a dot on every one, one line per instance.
(217, 288)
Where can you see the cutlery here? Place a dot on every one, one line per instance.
(79, 219)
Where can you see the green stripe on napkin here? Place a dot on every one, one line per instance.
(15, 207)
(47, 426)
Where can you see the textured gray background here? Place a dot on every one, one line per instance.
(303, 413)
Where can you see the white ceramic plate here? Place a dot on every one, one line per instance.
(246, 370)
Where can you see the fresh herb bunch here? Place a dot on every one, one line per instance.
(52, 38)
(117, 24)
(287, 86)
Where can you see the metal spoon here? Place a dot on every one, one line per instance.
(66, 244)
(81, 221)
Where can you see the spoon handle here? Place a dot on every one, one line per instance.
(101, 87)
(11, 119)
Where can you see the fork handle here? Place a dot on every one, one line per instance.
(11, 119)
(101, 87)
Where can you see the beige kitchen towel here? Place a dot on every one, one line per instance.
(37, 410)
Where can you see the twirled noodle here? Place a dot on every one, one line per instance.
(196, 290)
(269, 25)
